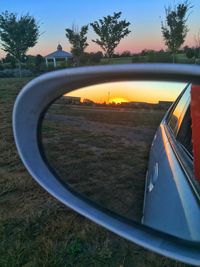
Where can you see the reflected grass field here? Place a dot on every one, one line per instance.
(102, 152)
(36, 230)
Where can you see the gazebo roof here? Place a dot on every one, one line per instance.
(59, 54)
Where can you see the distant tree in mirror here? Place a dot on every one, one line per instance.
(111, 31)
(174, 28)
(78, 40)
(18, 35)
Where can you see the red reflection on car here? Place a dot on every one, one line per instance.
(195, 113)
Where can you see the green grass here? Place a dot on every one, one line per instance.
(36, 230)
(120, 60)
(179, 58)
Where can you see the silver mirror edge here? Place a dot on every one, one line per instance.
(27, 114)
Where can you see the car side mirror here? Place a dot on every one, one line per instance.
(32, 108)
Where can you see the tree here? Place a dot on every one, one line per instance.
(78, 40)
(110, 31)
(190, 53)
(91, 58)
(197, 46)
(126, 53)
(18, 34)
(10, 59)
(174, 29)
(39, 60)
(96, 57)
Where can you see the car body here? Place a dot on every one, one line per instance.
(171, 202)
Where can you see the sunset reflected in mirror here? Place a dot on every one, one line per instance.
(126, 92)
(97, 139)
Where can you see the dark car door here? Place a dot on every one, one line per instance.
(171, 201)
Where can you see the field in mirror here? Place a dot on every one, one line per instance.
(98, 139)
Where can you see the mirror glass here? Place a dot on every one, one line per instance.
(98, 140)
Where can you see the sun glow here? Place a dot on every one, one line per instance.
(118, 100)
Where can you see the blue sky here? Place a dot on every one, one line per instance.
(144, 15)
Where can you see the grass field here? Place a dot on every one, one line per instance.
(35, 229)
(180, 58)
(120, 60)
(102, 152)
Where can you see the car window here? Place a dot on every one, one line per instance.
(180, 121)
(176, 118)
(184, 135)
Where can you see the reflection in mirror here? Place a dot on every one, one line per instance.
(98, 139)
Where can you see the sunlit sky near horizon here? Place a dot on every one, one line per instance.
(130, 91)
(145, 17)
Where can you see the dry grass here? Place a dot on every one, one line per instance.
(102, 153)
(36, 230)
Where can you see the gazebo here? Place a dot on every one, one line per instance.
(59, 54)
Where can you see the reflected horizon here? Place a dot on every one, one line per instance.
(129, 92)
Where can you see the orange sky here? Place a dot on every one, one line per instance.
(150, 92)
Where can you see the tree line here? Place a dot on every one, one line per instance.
(19, 34)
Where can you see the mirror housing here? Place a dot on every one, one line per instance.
(28, 114)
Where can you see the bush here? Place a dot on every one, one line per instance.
(10, 61)
(9, 73)
(135, 59)
(91, 58)
(1, 66)
(8, 66)
(139, 59)
(125, 54)
(152, 57)
(197, 61)
(6, 73)
(96, 57)
(163, 57)
(190, 53)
